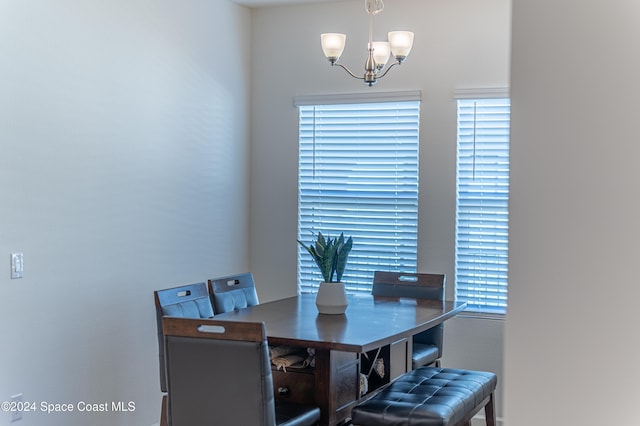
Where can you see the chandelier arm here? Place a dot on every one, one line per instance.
(347, 70)
(387, 70)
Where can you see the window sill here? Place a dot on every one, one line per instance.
(481, 316)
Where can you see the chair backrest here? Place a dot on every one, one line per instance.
(187, 301)
(218, 373)
(233, 292)
(414, 285)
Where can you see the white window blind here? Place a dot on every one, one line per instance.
(358, 174)
(482, 228)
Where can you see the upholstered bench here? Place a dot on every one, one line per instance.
(430, 396)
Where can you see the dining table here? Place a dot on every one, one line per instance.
(354, 354)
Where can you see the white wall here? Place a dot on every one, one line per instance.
(572, 345)
(459, 44)
(123, 169)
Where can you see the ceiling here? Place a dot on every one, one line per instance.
(264, 3)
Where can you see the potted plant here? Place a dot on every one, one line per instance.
(330, 255)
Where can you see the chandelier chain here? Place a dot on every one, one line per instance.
(373, 7)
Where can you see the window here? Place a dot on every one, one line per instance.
(358, 174)
(482, 228)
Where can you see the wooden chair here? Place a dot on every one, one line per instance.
(219, 372)
(427, 346)
(191, 301)
(233, 292)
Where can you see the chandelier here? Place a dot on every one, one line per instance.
(399, 44)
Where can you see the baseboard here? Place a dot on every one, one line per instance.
(479, 420)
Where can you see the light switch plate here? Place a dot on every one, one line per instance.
(17, 265)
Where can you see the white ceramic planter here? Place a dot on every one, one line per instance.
(331, 298)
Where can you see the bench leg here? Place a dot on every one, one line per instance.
(490, 412)
(163, 412)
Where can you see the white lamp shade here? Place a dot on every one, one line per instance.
(381, 52)
(333, 45)
(401, 43)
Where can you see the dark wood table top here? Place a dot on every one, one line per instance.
(369, 322)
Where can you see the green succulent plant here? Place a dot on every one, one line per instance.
(330, 254)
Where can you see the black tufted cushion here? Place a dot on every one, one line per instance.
(427, 396)
(196, 308)
(235, 299)
(424, 354)
(233, 292)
